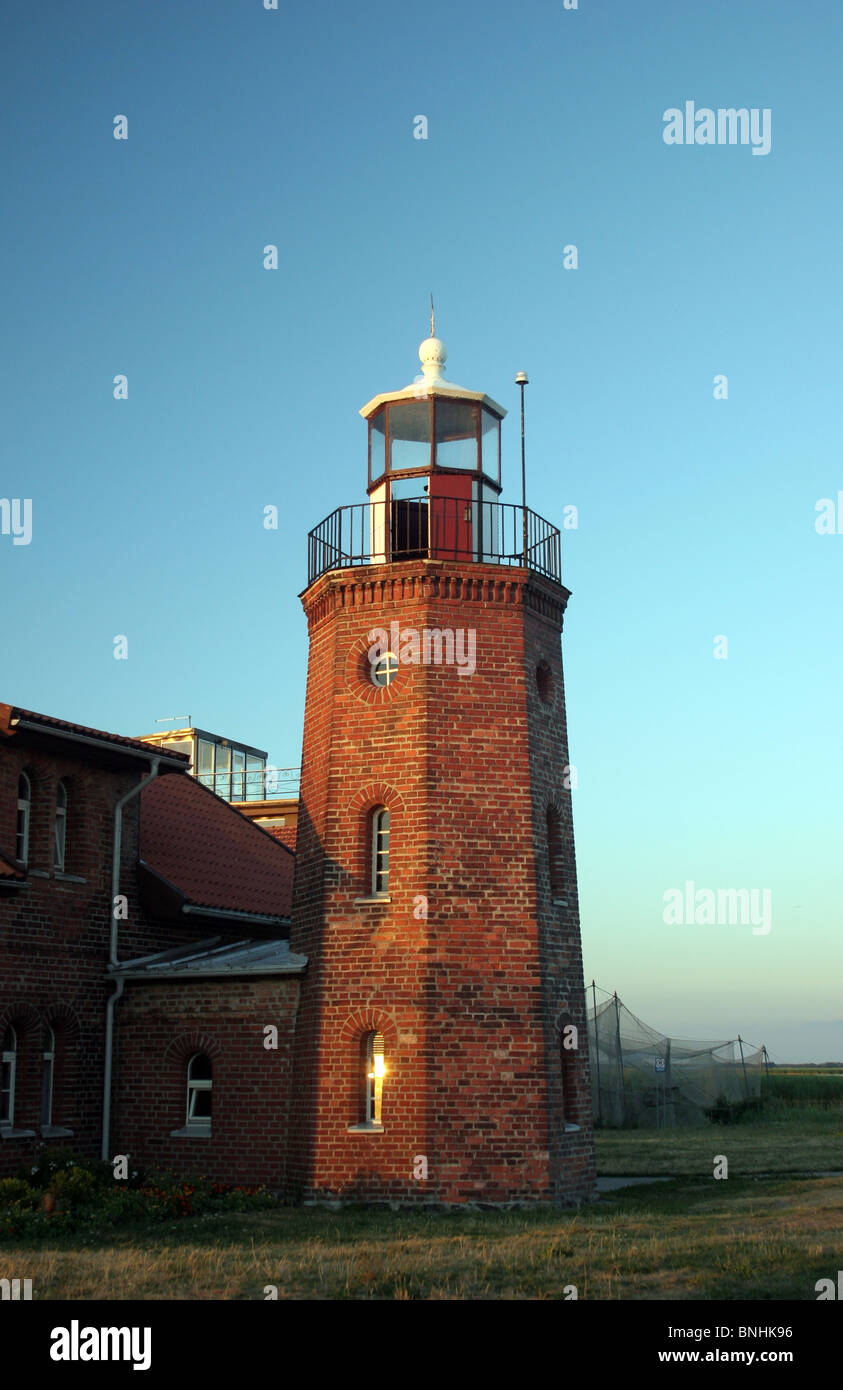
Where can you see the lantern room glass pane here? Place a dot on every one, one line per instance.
(409, 435)
(490, 441)
(456, 434)
(377, 446)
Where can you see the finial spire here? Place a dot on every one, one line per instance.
(432, 318)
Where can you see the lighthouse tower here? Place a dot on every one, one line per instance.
(441, 1041)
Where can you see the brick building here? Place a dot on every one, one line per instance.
(405, 1020)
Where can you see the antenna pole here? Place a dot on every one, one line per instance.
(522, 381)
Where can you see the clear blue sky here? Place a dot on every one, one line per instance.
(696, 516)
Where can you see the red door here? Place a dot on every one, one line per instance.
(450, 516)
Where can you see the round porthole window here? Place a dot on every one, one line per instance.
(384, 669)
(544, 682)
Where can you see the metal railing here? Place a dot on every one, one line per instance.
(263, 784)
(440, 528)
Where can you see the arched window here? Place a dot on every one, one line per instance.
(199, 1084)
(61, 826)
(48, 1071)
(8, 1059)
(24, 811)
(372, 1071)
(380, 852)
(554, 855)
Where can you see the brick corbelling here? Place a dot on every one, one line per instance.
(374, 586)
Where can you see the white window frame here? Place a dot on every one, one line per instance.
(199, 1123)
(9, 1058)
(379, 875)
(60, 829)
(48, 1074)
(24, 817)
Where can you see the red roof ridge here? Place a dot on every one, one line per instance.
(8, 713)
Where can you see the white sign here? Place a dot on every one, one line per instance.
(660, 1064)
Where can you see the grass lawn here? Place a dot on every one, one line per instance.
(746, 1237)
(786, 1140)
(743, 1238)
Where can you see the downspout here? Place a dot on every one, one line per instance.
(112, 955)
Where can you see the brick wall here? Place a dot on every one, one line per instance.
(161, 1026)
(471, 998)
(54, 934)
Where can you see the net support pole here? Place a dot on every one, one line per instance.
(668, 1100)
(743, 1064)
(597, 1054)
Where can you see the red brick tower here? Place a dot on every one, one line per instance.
(436, 893)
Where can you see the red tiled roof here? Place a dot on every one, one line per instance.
(213, 855)
(10, 712)
(285, 833)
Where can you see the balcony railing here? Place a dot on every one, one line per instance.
(438, 528)
(265, 784)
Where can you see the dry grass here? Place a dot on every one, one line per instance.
(735, 1239)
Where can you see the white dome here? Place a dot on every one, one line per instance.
(433, 355)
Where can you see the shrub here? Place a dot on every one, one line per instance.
(736, 1112)
(65, 1193)
(16, 1192)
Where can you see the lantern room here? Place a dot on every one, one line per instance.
(434, 462)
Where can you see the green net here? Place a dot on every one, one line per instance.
(644, 1079)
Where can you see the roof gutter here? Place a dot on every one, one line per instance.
(211, 972)
(233, 915)
(155, 759)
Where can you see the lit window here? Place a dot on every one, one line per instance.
(384, 669)
(372, 1069)
(24, 809)
(199, 1085)
(380, 852)
(61, 826)
(8, 1059)
(48, 1059)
